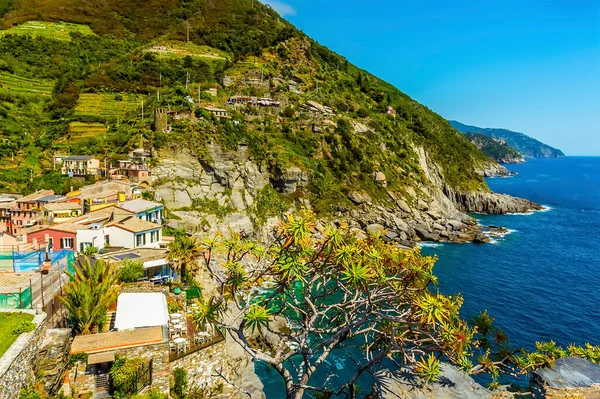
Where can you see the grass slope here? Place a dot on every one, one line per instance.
(107, 105)
(53, 30)
(8, 322)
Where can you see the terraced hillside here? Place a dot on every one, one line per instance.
(107, 105)
(25, 86)
(53, 30)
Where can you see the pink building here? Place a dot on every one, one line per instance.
(24, 215)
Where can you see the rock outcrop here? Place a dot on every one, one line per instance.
(490, 203)
(571, 377)
(452, 384)
(52, 358)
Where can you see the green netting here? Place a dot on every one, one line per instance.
(192, 293)
(16, 300)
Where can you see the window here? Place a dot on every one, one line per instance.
(50, 243)
(154, 236)
(66, 243)
(140, 240)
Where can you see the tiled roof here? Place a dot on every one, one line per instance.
(78, 158)
(117, 340)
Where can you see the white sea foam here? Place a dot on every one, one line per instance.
(545, 208)
(429, 244)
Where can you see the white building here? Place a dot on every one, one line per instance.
(132, 232)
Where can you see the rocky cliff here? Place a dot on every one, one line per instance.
(497, 149)
(228, 191)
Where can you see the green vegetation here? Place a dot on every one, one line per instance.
(497, 150)
(180, 383)
(25, 86)
(131, 271)
(124, 373)
(525, 145)
(94, 85)
(89, 293)
(13, 324)
(53, 30)
(107, 105)
(184, 253)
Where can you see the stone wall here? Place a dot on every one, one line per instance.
(81, 378)
(229, 360)
(16, 365)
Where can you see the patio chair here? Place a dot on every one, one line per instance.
(172, 346)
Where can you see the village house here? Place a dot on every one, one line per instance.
(146, 210)
(5, 214)
(107, 193)
(391, 111)
(56, 237)
(136, 167)
(79, 165)
(218, 112)
(132, 232)
(25, 214)
(59, 212)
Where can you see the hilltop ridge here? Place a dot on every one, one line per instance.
(527, 146)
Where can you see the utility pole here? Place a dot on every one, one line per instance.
(187, 79)
(317, 86)
(198, 93)
(187, 31)
(158, 95)
(160, 79)
(142, 109)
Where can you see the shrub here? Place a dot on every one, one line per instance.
(124, 373)
(180, 382)
(24, 327)
(29, 393)
(131, 271)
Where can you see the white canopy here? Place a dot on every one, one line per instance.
(155, 263)
(135, 310)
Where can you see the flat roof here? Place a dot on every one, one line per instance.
(51, 198)
(117, 340)
(12, 282)
(139, 310)
(138, 205)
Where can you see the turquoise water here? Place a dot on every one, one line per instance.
(541, 281)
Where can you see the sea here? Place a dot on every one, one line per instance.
(541, 280)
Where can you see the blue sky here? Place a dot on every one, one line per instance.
(528, 66)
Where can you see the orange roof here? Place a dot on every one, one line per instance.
(117, 340)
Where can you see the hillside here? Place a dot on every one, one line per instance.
(527, 146)
(495, 148)
(88, 78)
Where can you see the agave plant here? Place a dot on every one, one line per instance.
(209, 312)
(89, 293)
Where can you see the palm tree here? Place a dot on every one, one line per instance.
(184, 253)
(89, 293)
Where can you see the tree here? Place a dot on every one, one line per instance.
(130, 271)
(184, 253)
(336, 290)
(89, 293)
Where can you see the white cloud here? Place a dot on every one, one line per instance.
(282, 8)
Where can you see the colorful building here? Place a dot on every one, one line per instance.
(25, 214)
(80, 165)
(59, 212)
(146, 210)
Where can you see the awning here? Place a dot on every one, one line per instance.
(104, 357)
(155, 263)
(145, 309)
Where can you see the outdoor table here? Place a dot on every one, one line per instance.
(180, 342)
(175, 316)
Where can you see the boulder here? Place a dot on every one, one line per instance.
(439, 227)
(451, 384)
(357, 197)
(392, 235)
(481, 238)
(568, 372)
(456, 224)
(426, 235)
(379, 178)
(375, 229)
(422, 205)
(237, 200)
(403, 206)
